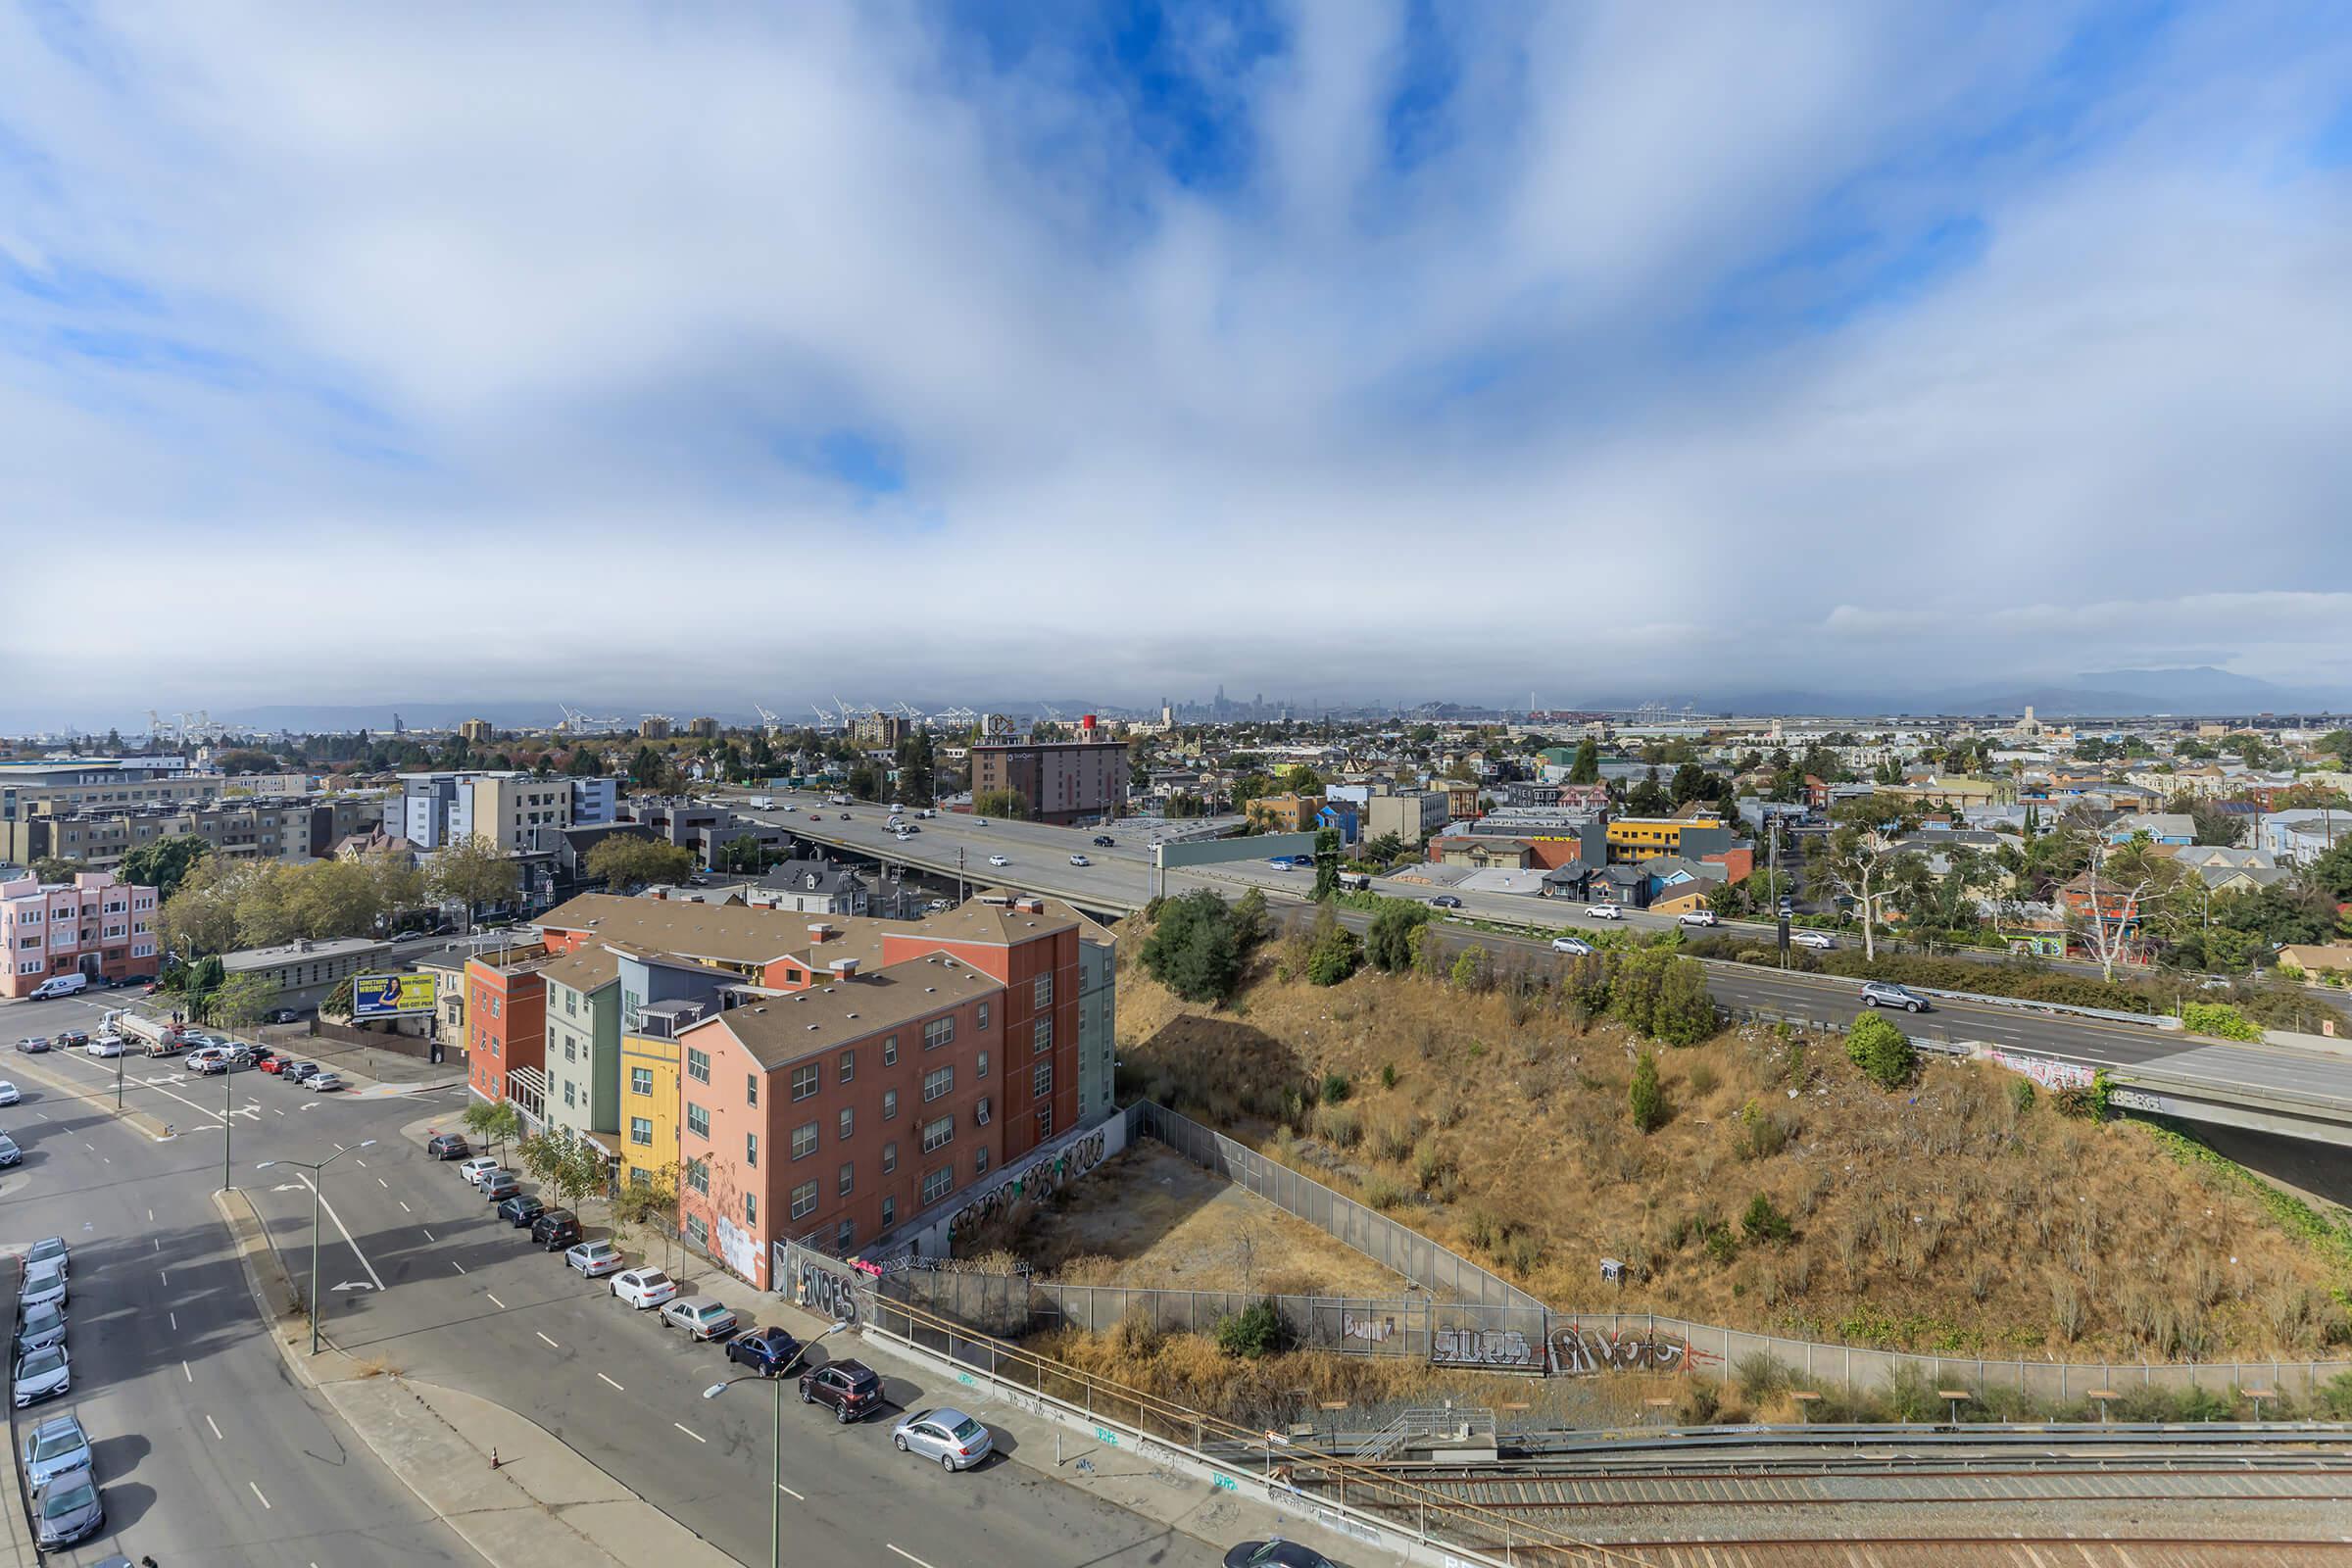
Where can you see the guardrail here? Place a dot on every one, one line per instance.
(2150, 1020)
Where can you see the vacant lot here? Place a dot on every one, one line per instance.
(1949, 1217)
(1150, 1217)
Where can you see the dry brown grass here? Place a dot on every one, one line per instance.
(1939, 1218)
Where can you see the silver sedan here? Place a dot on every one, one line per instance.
(953, 1439)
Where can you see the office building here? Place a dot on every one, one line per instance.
(124, 781)
(1063, 782)
(475, 731)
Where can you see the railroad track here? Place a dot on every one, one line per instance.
(2011, 1551)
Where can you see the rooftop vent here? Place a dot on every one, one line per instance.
(843, 968)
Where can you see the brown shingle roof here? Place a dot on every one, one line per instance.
(785, 1028)
(588, 970)
(725, 933)
(979, 921)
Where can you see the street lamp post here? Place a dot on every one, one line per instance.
(318, 1170)
(775, 1490)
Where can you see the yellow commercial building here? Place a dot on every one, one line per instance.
(649, 1108)
(1638, 838)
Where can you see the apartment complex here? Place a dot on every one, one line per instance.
(1410, 815)
(94, 926)
(260, 828)
(110, 781)
(518, 811)
(1065, 782)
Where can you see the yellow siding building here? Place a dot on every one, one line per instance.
(649, 1108)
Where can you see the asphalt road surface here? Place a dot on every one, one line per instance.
(209, 1454)
(465, 1300)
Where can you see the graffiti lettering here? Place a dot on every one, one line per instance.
(827, 1294)
(1505, 1347)
(2133, 1100)
(1581, 1353)
(2044, 1071)
(1033, 1179)
(1375, 1330)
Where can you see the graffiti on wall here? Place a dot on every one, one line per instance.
(1371, 1330)
(1033, 1179)
(1507, 1348)
(1582, 1352)
(824, 1290)
(2042, 1070)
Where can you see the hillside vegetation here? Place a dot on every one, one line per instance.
(1781, 1189)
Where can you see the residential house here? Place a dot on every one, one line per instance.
(2161, 827)
(1283, 814)
(95, 925)
(812, 887)
(583, 1044)
(505, 1028)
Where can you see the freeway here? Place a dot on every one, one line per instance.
(467, 1302)
(208, 1454)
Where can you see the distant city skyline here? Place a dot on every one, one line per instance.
(1879, 355)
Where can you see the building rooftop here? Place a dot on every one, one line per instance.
(289, 952)
(785, 1028)
(588, 968)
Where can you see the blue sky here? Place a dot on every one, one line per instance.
(530, 352)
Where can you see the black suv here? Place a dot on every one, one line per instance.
(520, 1209)
(555, 1228)
(447, 1145)
(1104, 841)
(849, 1387)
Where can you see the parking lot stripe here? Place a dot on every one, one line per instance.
(789, 1492)
(459, 1267)
(257, 1492)
(215, 1426)
(185, 1373)
(494, 1302)
(616, 1385)
(429, 1235)
(908, 1555)
(690, 1432)
(403, 1206)
(387, 1187)
(549, 1343)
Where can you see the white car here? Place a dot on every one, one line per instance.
(1813, 939)
(8, 1093)
(1574, 947)
(595, 1259)
(44, 1286)
(1000, 859)
(642, 1288)
(1604, 912)
(475, 1169)
(1080, 859)
(979, 821)
(105, 1045)
(50, 1249)
(41, 1374)
(1696, 917)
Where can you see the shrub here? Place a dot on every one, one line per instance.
(1523, 1253)
(1388, 943)
(1763, 1222)
(2334, 1397)
(1383, 1194)
(1335, 1088)
(1335, 952)
(1881, 1050)
(2020, 1095)
(1388, 1075)
(1481, 1228)
(1645, 1098)
(1761, 1135)
(1430, 1165)
(1259, 1329)
(1342, 1128)
(1194, 949)
(1703, 1078)
(1699, 1406)
(1685, 1011)
(1393, 1138)
(1472, 970)
(1763, 1375)
(2218, 1019)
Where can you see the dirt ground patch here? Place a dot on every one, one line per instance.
(1150, 1217)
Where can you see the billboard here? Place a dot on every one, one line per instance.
(388, 996)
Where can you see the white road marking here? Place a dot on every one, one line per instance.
(167, 1274)
(44, 1115)
(215, 1426)
(159, 1243)
(690, 1432)
(275, 1111)
(494, 1302)
(429, 1232)
(257, 1492)
(459, 1267)
(92, 1147)
(151, 1216)
(357, 1161)
(338, 1149)
(614, 1385)
(386, 1186)
(789, 1492)
(910, 1556)
(185, 1373)
(346, 1230)
(549, 1343)
(403, 1206)
(175, 1317)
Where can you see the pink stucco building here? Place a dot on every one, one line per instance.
(96, 925)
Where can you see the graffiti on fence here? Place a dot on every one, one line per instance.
(2042, 1070)
(1371, 1330)
(1582, 1352)
(1032, 1180)
(1490, 1347)
(823, 1291)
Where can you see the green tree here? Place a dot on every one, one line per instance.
(1881, 1050)
(627, 862)
(647, 770)
(164, 863)
(1333, 953)
(1860, 857)
(1645, 1098)
(567, 1169)
(1585, 770)
(1685, 1014)
(1648, 798)
(583, 763)
(1388, 943)
(740, 856)
(651, 1202)
(1251, 921)
(1327, 863)
(1764, 1221)
(1010, 806)
(473, 871)
(56, 868)
(491, 1123)
(241, 1001)
(1193, 949)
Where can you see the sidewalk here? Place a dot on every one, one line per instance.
(1071, 1452)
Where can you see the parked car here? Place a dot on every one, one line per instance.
(700, 1316)
(50, 1249)
(642, 1288)
(10, 1154)
(993, 860)
(283, 1015)
(1104, 841)
(44, 1285)
(1276, 1553)
(68, 1509)
(953, 1439)
(850, 1387)
(1887, 994)
(555, 1228)
(1813, 939)
(1604, 912)
(325, 1083)
(42, 1374)
(1080, 859)
(54, 1446)
(1696, 917)
(1576, 947)
(68, 1039)
(206, 1059)
(520, 1209)
(766, 1351)
(40, 1326)
(594, 1260)
(1444, 900)
(501, 1185)
(33, 1044)
(106, 1046)
(300, 1072)
(8, 1093)
(475, 1168)
(447, 1145)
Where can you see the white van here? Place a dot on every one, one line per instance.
(63, 985)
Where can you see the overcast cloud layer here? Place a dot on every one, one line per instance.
(698, 355)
